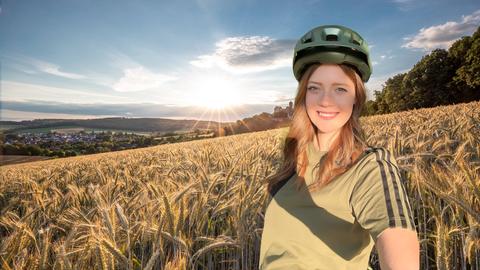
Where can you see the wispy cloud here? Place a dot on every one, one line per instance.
(406, 5)
(136, 77)
(248, 54)
(55, 70)
(12, 90)
(382, 59)
(32, 65)
(139, 79)
(443, 35)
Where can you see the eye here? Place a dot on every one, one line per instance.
(342, 89)
(312, 88)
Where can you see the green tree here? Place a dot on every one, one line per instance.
(10, 149)
(381, 104)
(70, 153)
(369, 108)
(459, 50)
(469, 72)
(60, 153)
(439, 78)
(428, 81)
(395, 94)
(34, 150)
(91, 149)
(464, 53)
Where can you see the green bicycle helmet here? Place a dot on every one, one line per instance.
(334, 44)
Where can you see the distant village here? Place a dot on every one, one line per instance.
(280, 113)
(56, 137)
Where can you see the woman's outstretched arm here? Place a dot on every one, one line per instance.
(398, 248)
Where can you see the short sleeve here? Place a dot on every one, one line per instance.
(379, 200)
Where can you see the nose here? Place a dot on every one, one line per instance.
(325, 99)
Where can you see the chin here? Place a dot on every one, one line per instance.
(322, 128)
(327, 131)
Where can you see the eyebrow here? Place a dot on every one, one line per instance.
(336, 83)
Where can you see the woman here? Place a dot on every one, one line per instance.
(334, 198)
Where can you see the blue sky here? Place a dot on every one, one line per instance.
(207, 59)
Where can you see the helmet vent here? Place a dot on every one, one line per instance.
(331, 38)
(356, 42)
(307, 38)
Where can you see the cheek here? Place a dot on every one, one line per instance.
(346, 103)
(309, 101)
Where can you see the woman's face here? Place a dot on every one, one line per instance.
(330, 98)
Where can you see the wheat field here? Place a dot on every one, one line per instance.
(200, 204)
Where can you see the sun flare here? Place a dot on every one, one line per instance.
(216, 93)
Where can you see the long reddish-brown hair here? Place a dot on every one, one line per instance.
(344, 150)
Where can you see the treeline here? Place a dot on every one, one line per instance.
(258, 122)
(443, 77)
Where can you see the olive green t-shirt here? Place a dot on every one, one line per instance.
(337, 226)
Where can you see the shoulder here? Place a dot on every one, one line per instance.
(378, 198)
(375, 156)
(375, 164)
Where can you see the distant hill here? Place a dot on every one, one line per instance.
(259, 122)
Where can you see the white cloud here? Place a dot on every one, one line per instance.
(248, 54)
(382, 58)
(31, 65)
(55, 70)
(139, 78)
(442, 36)
(204, 61)
(406, 5)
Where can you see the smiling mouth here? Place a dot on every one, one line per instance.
(327, 115)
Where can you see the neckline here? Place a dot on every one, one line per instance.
(313, 151)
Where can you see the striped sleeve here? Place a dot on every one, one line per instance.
(379, 200)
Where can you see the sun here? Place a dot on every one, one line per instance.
(214, 92)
